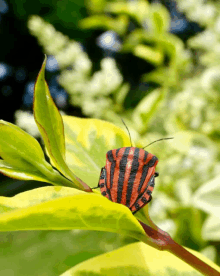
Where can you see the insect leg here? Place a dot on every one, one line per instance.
(103, 184)
(143, 198)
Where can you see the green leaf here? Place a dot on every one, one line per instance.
(188, 225)
(160, 19)
(34, 197)
(50, 124)
(24, 158)
(62, 208)
(139, 9)
(158, 76)
(118, 24)
(147, 107)
(183, 191)
(207, 197)
(133, 39)
(25, 173)
(183, 141)
(95, 6)
(87, 142)
(20, 149)
(121, 94)
(210, 252)
(150, 54)
(136, 259)
(36, 253)
(211, 229)
(162, 75)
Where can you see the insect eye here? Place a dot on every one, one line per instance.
(156, 174)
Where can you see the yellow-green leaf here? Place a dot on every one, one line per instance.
(67, 208)
(160, 19)
(210, 229)
(20, 149)
(118, 24)
(87, 142)
(34, 197)
(147, 107)
(136, 259)
(50, 124)
(24, 158)
(207, 197)
(148, 53)
(24, 173)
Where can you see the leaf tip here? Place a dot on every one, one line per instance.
(44, 64)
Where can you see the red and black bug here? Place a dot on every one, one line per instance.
(128, 176)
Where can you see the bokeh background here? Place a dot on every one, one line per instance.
(156, 64)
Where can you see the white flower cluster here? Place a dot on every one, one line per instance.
(48, 37)
(92, 92)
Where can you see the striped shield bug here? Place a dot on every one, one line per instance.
(128, 176)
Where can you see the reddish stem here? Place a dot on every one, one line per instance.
(165, 242)
(192, 260)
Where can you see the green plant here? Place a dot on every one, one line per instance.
(72, 204)
(185, 104)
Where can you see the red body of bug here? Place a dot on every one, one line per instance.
(128, 177)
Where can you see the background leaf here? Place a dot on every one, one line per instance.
(87, 142)
(136, 259)
(50, 253)
(150, 54)
(147, 107)
(160, 19)
(211, 228)
(207, 197)
(119, 24)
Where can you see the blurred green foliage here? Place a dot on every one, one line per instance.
(63, 14)
(49, 253)
(185, 104)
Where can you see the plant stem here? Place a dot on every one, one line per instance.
(165, 242)
(192, 260)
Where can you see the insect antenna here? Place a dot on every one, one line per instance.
(127, 130)
(157, 141)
